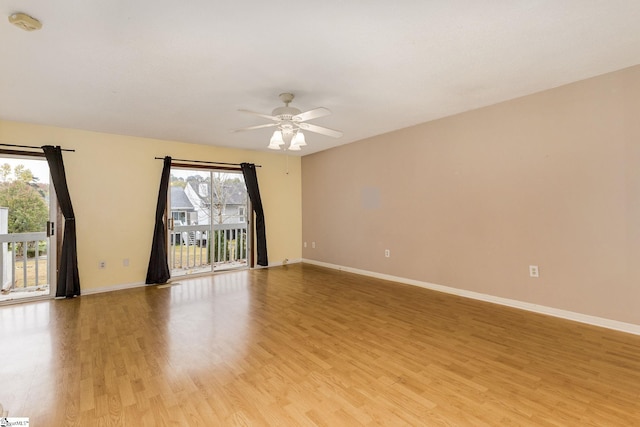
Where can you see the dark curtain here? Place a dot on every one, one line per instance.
(68, 278)
(251, 181)
(158, 271)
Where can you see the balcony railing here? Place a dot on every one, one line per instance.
(23, 262)
(195, 248)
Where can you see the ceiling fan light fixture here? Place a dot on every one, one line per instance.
(298, 140)
(276, 140)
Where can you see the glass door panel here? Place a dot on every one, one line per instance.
(27, 211)
(207, 221)
(230, 226)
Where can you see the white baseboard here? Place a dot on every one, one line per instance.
(550, 311)
(281, 263)
(113, 288)
(140, 284)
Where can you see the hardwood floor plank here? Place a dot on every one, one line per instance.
(306, 346)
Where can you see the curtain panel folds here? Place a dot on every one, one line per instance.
(158, 270)
(68, 278)
(251, 181)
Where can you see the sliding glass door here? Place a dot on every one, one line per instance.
(207, 221)
(27, 217)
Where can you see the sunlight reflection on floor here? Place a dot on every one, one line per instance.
(218, 308)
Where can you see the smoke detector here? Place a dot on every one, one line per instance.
(24, 21)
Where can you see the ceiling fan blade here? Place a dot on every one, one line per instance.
(268, 125)
(266, 116)
(311, 114)
(321, 130)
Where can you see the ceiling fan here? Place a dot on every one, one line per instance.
(290, 122)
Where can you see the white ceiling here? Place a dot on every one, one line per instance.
(181, 70)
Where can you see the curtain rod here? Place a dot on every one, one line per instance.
(31, 146)
(205, 162)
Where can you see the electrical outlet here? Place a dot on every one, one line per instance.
(387, 253)
(313, 245)
(125, 262)
(102, 265)
(534, 271)
(305, 244)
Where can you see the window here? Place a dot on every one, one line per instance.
(241, 214)
(179, 217)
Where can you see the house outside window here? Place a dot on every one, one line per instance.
(241, 214)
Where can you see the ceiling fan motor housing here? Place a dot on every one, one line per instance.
(285, 113)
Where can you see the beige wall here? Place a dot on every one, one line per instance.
(472, 200)
(113, 181)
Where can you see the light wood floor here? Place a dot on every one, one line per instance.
(303, 345)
